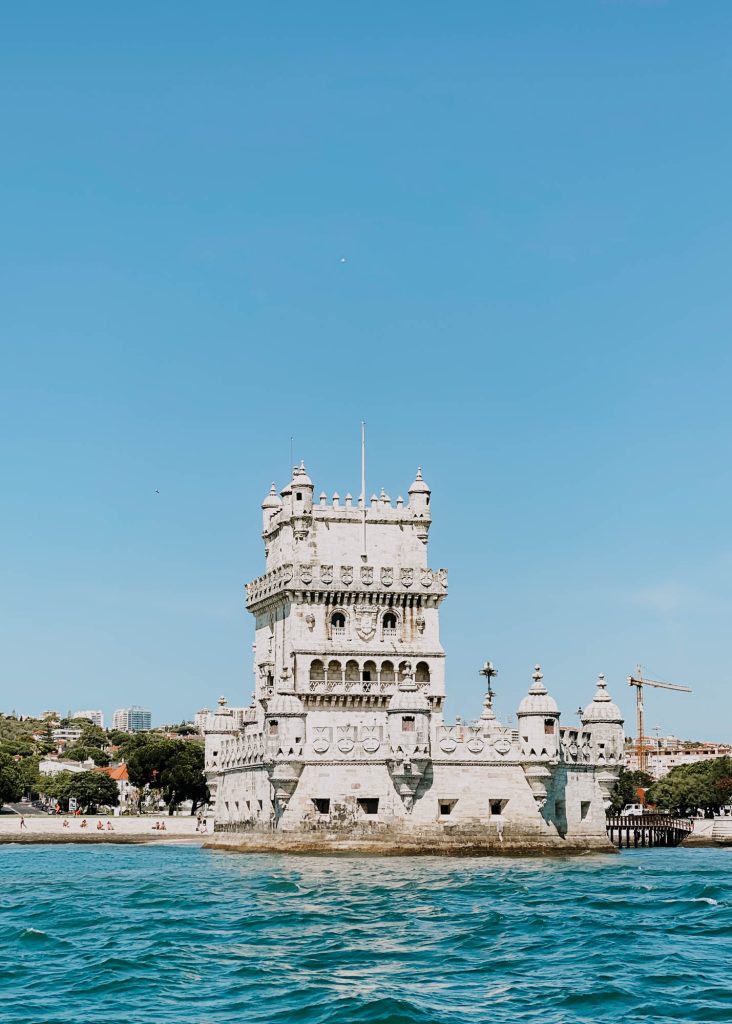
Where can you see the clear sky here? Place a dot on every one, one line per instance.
(534, 204)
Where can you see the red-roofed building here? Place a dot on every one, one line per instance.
(126, 791)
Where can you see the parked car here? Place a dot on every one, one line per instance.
(632, 809)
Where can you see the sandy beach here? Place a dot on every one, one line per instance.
(50, 829)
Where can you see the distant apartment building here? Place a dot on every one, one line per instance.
(134, 719)
(667, 752)
(63, 735)
(97, 717)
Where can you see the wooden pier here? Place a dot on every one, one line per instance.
(647, 830)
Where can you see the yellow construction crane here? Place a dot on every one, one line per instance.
(639, 682)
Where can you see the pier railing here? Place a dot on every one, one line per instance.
(650, 829)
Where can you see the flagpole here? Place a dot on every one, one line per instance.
(363, 485)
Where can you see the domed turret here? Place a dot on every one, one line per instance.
(538, 721)
(419, 495)
(408, 715)
(271, 504)
(301, 497)
(603, 720)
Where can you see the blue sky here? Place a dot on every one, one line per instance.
(533, 200)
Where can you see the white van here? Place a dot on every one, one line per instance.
(632, 809)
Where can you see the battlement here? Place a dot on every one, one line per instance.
(345, 529)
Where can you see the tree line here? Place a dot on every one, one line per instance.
(159, 768)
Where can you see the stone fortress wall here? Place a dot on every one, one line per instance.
(346, 731)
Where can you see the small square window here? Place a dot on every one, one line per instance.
(548, 726)
(497, 807)
(273, 728)
(446, 807)
(584, 809)
(369, 805)
(298, 495)
(322, 804)
(260, 804)
(408, 723)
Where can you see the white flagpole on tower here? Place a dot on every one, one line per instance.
(363, 485)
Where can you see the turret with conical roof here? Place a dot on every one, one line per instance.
(538, 721)
(270, 506)
(603, 720)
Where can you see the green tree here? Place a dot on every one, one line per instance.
(93, 789)
(705, 786)
(11, 780)
(174, 768)
(626, 788)
(82, 752)
(56, 787)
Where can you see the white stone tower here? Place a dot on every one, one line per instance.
(348, 606)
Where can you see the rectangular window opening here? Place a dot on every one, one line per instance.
(369, 804)
(548, 726)
(322, 804)
(408, 723)
(273, 728)
(497, 807)
(260, 804)
(584, 809)
(446, 807)
(366, 675)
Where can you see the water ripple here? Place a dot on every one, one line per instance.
(118, 935)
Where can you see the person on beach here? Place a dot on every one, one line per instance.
(100, 827)
(22, 822)
(203, 830)
(66, 822)
(110, 827)
(84, 824)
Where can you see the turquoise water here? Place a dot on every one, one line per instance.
(177, 935)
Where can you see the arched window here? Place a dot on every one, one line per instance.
(317, 671)
(369, 672)
(338, 624)
(353, 673)
(387, 672)
(335, 672)
(422, 672)
(389, 626)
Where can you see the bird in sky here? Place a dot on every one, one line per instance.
(157, 491)
(343, 259)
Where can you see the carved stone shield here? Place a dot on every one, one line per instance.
(326, 573)
(407, 577)
(306, 574)
(287, 572)
(347, 574)
(366, 623)
(322, 740)
(426, 577)
(367, 575)
(387, 576)
(502, 745)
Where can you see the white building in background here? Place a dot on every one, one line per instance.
(669, 752)
(97, 717)
(66, 735)
(120, 719)
(346, 728)
(133, 719)
(56, 765)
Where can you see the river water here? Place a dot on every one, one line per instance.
(178, 935)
